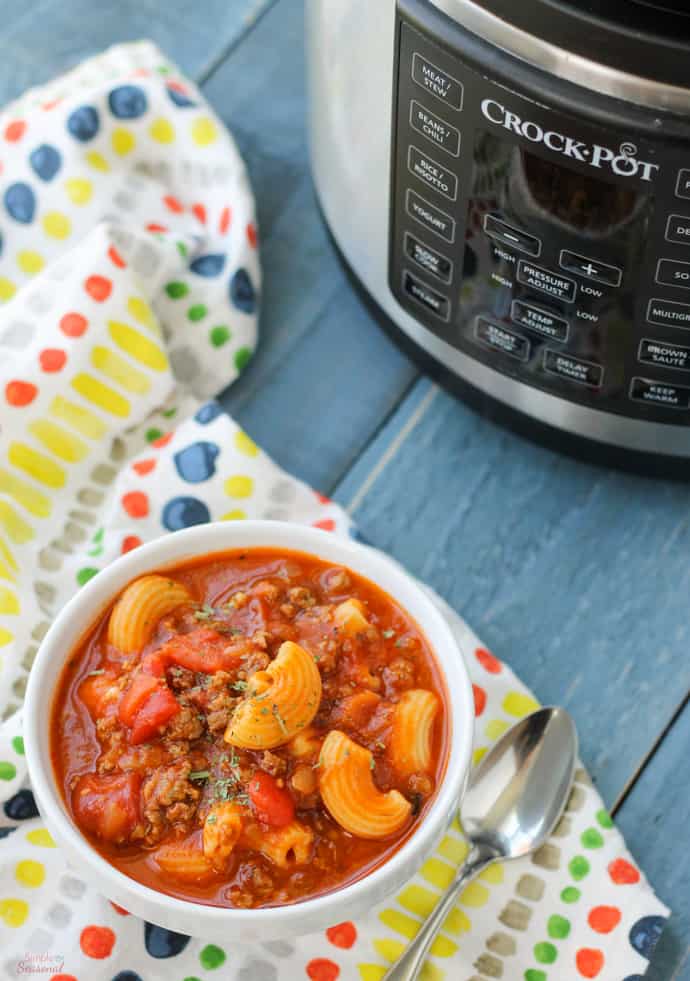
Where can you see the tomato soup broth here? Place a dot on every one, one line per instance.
(250, 729)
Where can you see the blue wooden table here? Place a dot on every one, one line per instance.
(577, 576)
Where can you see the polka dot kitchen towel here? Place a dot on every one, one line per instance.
(130, 278)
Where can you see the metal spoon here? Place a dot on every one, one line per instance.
(515, 797)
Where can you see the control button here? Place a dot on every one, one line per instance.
(574, 369)
(600, 272)
(668, 313)
(671, 272)
(546, 281)
(678, 229)
(428, 258)
(432, 173)
(539, 320)
(501, 339)
(683, 183)
(515, 237)
(426, 214)
(439, 83)
(664, 354)
(433, 127)
(419, 291)
(660, 393)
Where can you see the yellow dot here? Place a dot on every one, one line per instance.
(236, 515)
(5, 637)
(123, 141)
(475, 895)
(371, 972)
(7, 289)
(97, 161)
(40, 837)
(56, 224)
(429, 971)
(495, 728)
(390, 950)
(141, 311)
(162, 131)
(478, 755)
(493, 874)
(13, 911)
(79, 190)
(245, 445)
(30, 262)
(239, 486)
(517, 704)
(30, 873)
(457, 922)
(204, 131)
(9, 602)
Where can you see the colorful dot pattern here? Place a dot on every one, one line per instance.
(106, 445)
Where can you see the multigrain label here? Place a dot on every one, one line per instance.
(668, 313)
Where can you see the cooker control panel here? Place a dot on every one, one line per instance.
(555, 252)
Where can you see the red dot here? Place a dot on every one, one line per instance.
(488, 661)
(321, 969)
(136, 504)
(142, 467)
(119, 909)
(52, 104)
(62, 977)
(98, 287)
(130, 542)
(200, 211)
(97, 941)
(342, 935)
(623, 873)
(251, 234)
(153, 226)
(52, 359)
(73, 324)
(326, 524)
(116, 258)
(15, 130)
(604, 919)
(322, 499)
(479, 699)
(225, 219)
(589, 962)
(172, 204)
(162, 440)
(20, 393)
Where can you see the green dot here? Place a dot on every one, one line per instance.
(192, 978)
(176, 290)
(8, 771)
(18, 745)
(604, 819)
(153, 434)
(545, 953)
(591, 838)
(570, 894)
(242, 357)
(211, 956)
(197, 312)
(88, 572)
(579, 867)
(533, 974)
(558, 927)
(219, 336)
(182, 249)
(163, 70)
(169, 413)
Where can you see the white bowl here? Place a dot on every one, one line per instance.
(210, 922)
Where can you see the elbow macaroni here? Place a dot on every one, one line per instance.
(286, 846)
(412, 734)
(348, 790)
(282, 701)
(222, 829)
(139, 608)
(349, 617)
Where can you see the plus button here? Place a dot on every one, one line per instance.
(590, 269)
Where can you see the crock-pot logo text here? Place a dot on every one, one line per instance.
(621, 162)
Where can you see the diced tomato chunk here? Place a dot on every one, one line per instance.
(108, 806)
(158, 709)
(96, 692)
(272, 803)
(202, 650)
(140, 689)
(153, 664)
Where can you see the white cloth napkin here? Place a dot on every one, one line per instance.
(130, 275)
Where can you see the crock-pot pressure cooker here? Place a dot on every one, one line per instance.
(509, 181)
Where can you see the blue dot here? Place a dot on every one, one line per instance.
(6, 832)
(45, 161)
(207, 413)
(163, 943)
(242, 292)
(128, 102)
(208, 265)
(197, 462)
(127, 976)
(644, 934)
(178, 98)
(83, 123)
(20, 202)
(21, 807)
(634, 977)
(181, 512)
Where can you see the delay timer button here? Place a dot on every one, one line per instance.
(434, 80)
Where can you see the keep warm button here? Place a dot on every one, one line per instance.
(659, 393)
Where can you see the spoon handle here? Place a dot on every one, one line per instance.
(410, 963)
